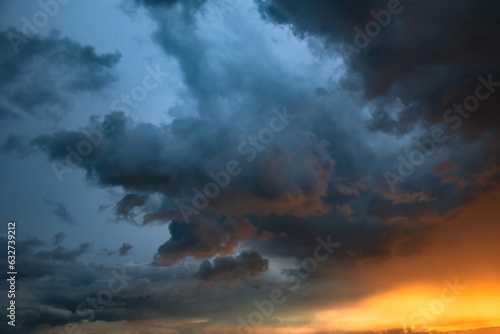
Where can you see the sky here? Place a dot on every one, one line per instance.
(250, 166)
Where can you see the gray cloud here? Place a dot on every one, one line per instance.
(203, 238)
(61, 253)
(61, 211)
(125, 248)
(17, 143)
(38, 80)
(59, 237)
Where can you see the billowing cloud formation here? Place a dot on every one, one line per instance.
(165, 169)
(321, 174)
(424, 64)
(288, 177)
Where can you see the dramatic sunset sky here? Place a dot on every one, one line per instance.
(251, 166)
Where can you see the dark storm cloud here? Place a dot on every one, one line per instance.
(299, 188)
(203, 238)
(291, 177)
(125, 248)
(427, 63)
(39, 79)
(363, 239)
(37, 258)
(28, 245)
(351, 157)
(142, 157)
(246, 264)
(61, 211)
(39, 315)
(172, 160)
(124, 208)
(67, 283)
(411, 73)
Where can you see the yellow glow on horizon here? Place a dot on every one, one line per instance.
(476, 307)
